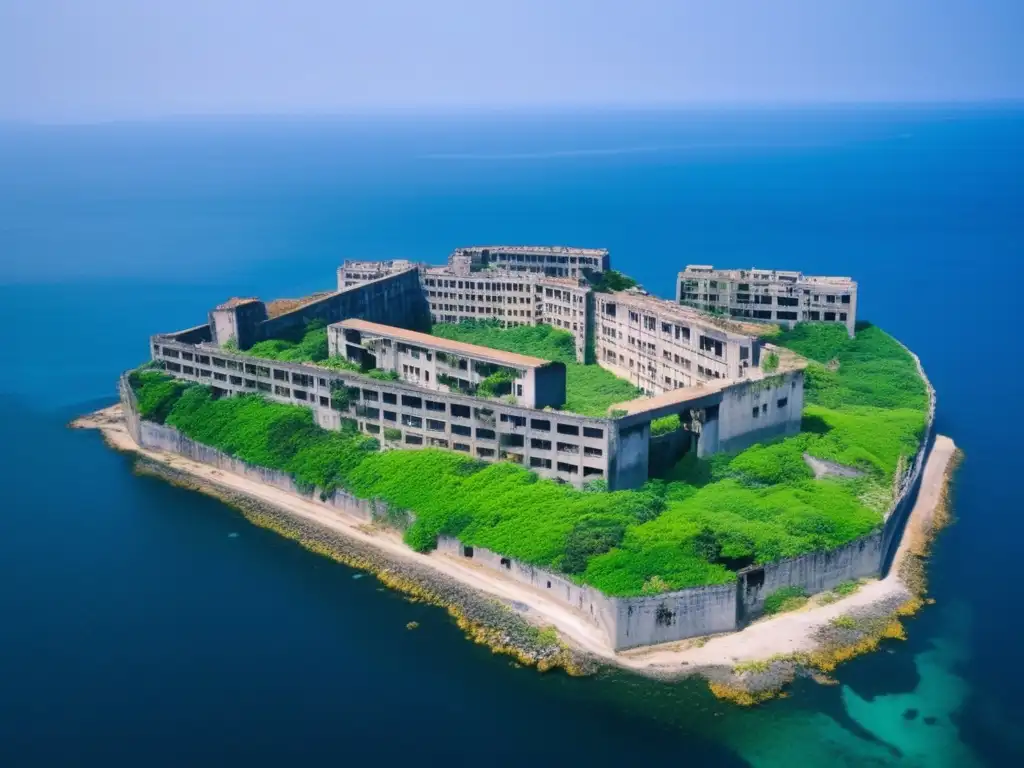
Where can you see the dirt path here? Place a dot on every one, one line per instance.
(779, 635)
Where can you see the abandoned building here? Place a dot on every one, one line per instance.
(770, 296)
(413, 390)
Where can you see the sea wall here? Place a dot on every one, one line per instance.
(896, 518)
(674, 616)
(626, 622)
(600, 609)
(867, 557)
(161, 437)
(813, 572)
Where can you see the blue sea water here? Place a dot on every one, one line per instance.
(141, 624)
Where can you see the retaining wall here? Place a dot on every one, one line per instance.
(626, 622)
(164, 438)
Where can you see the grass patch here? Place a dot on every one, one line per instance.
(785, 599)
(311, 347)
(844, 622)
(847, 588)
(590, 389)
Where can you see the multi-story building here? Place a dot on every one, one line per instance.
(441, 364)
(553, 261)
(352, 272)
(511, 299)
(661, 346)
(495, 405)
(456, 292)
(770, 296)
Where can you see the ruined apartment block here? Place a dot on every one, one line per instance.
(440, 364)
(553, 261)
(510, 299)
(770, 296)
(411, 390)
(404, 415)
(660, 346)
(352, 273)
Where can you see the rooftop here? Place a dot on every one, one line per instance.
(686, 314)
(236, 301)
(673, 397)
(789, 361)
(761, 274)
(444, 345)
(538, 249)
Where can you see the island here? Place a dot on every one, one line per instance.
(741, 482)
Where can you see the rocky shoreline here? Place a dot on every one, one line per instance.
(484, 619)
(854, 633)
(743, 667)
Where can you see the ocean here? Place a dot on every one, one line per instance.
(142, 624)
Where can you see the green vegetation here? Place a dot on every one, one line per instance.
(310, 348)
(771, 363)
(785, 599)
(590, 389)
(698, 525)
(156, 393)
(665, 424)
(608, 281)
(847, 588)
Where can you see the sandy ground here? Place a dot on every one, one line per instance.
(779, 635)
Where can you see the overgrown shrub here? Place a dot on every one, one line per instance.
(785, 599)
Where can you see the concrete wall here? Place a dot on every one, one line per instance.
(394, 300)
(896, 518)
(130, 408)
(625, 622)
(628, 454)
(814, 572)
(165, 438)
(595, 606)
(674, 615)
(739, 428)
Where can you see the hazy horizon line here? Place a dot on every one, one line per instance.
(515, 109)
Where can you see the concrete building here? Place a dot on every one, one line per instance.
(660, 346)
(770, 296)
(553, 261)
(352, 273)
(457, 293)
(497, 406)
(441, 364)
(511, 299)
(557, 445)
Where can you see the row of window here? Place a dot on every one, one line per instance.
(370, 395)
(757, 410)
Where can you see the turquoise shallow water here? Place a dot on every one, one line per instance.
(142, 624)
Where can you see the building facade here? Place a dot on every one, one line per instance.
(352, 273)
(553, 261)
(561, 446)
(510, 299)
(493, 405)
(660, 346)
(441, 364)
(770, 296)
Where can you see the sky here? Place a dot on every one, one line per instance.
(99, 60)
